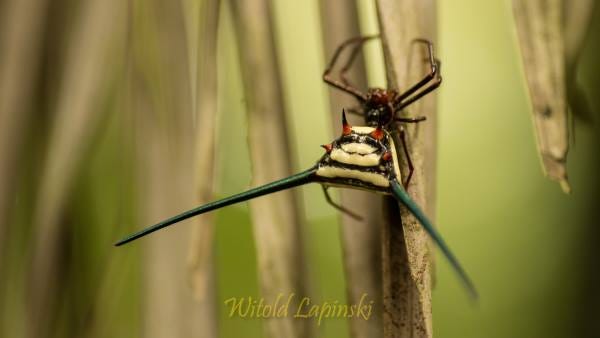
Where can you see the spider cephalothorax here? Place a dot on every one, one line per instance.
(379, 106)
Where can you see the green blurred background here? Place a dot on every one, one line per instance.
(530, 249)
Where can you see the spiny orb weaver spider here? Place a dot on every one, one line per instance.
(363, 157)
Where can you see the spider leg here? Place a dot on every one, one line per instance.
(355, 51)
(337, 206)
(411, 119)
(433, 74)
(411, 168)
(339, 84)
(435, 84)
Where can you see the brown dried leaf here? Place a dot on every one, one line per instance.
(539, 26)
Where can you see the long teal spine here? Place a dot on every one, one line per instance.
(402, 197)
(286, 183)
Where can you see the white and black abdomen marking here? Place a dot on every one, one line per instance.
(359, 159)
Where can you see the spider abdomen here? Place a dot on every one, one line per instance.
(361, 158)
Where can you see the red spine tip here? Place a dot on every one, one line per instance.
(377, 133)
(346, 127)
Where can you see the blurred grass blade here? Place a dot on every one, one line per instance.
(83, 84)
(164, 119)
(21, 36)
(21, 42)
(361, 238)
(406, 249)
(539, 25)
(200, 254)
(276, 219)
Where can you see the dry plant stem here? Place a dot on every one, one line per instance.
(428, 107)
(577, 19)
(276, 220)
(406, 251)
(361, 239)
(75, 118)
(164, 123)
(201, 245)
(20, 41)
(539, 26)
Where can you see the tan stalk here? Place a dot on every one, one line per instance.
(361, 238)
(200, 255)
(161, 101)
(276, 219)
(406, 252)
